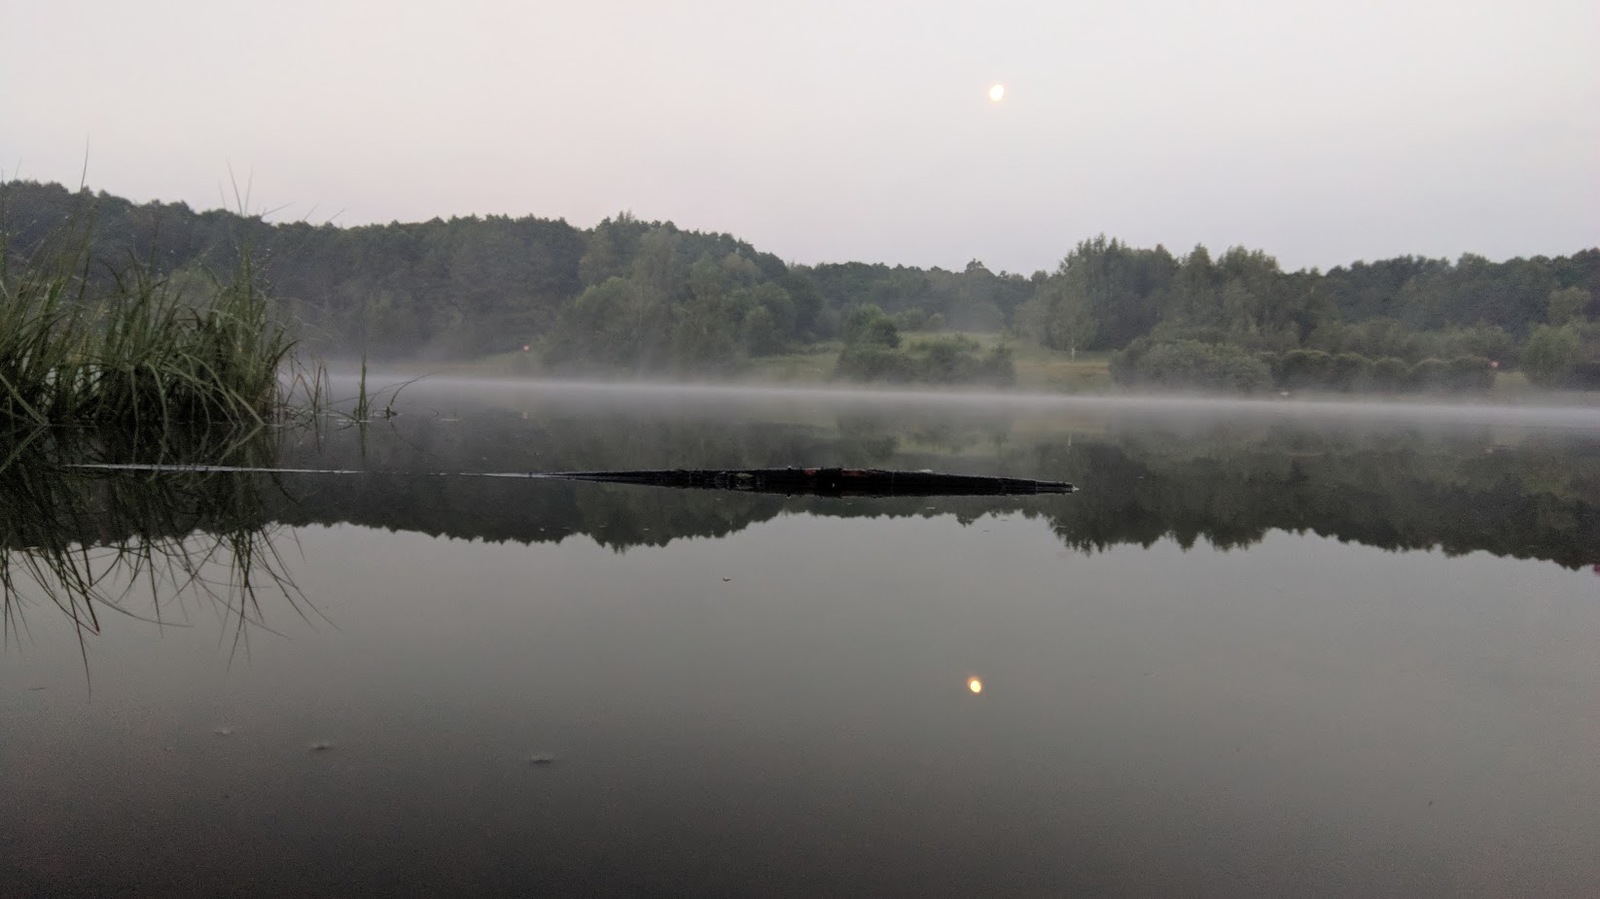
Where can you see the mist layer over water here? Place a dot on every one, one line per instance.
(1547, 410)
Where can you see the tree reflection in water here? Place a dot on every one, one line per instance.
(95, 542)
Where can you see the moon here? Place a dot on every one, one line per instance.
(974, 685)
(997, 93)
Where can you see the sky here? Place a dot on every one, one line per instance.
(1322, 133)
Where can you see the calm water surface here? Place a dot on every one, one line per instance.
(1258, 654)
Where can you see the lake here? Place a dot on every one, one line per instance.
(1269, 648)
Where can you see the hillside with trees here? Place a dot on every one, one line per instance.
(646, 298)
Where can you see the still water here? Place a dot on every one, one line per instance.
(1262, 652)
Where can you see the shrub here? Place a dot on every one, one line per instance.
(1429, 374)
(999, 367)
(913, 319)
(1124, 363)
(1350, 371)
(1389, 374)
(1585, 376)
(868, 324)
(1303, 369)
(872, 362)
(1551, 354)
(1191, 364)
(942, 360)
(1470, 373)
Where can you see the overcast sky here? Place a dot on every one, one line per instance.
(822, 131)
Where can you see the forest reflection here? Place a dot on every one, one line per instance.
(1510, 491)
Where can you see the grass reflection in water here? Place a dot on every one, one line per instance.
(95, 543)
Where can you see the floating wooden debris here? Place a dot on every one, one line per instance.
(825, 481)
(788, 481)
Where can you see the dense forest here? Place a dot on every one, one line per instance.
(634, 297)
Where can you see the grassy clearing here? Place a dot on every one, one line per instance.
(127, 348)
(1508, 384)
(809, 365)
(1042, 369)
(1038, 368)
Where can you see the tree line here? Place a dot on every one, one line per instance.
(640, 297)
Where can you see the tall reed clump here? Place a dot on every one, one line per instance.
(44, 345)
(165, 355)
(134, 348)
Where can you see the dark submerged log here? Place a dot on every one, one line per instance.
(826, 481)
